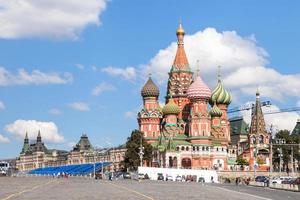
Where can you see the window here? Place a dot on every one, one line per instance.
(182, 148)
(187, 148)
(194, 148)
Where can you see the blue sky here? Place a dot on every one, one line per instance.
(111, 45)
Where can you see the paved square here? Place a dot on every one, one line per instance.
(45, 188)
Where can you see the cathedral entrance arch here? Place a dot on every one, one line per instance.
(186, 163)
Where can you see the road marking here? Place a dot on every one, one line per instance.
(243, 193)
(130, 190)
(27, 190)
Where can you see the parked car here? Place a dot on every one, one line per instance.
(169, 178)
(141, 176)
(98, 176)
(288, 181)
(201, 180)
(160, 177)
(127, 175)
(178, 178)
(262, 179)
(296, 181)
(279, 180)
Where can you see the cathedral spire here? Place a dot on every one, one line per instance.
(258, 125)
(39, 137)
(180, 61)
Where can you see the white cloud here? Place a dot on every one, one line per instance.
(2, 106)
(55, 111)
(49, 130)
(280, 121)
(128, 73)
(244, 64)
(80, 106)
(48, 18)
(79, 66)
(4, 139)
(131, 115)
(71, 144)
(94, 68)
(35, 77)
(103, 87)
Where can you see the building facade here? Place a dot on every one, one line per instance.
(36, 155)
(186, 133)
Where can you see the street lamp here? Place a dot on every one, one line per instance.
(141, 153)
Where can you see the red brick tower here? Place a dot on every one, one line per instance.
(150, 115)
(180, 78)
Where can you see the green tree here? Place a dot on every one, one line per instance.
(132, 159)
(241, 161)
(286, 149)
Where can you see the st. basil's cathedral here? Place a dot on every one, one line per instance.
(185, 133)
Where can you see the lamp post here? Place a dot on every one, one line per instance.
(94, 164)
(141, 152)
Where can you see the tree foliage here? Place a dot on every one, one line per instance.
(242, 161)
(132, 159)
(286, 149)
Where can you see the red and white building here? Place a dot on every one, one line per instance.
(186, 132)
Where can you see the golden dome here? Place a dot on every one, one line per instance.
(180, 30)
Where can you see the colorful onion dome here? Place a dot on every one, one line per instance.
(180, 30)
(150, 89)
(171, 108)
(198, 90)
(220, 95)
(215, 111)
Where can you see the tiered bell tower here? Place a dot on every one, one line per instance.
(180, 78)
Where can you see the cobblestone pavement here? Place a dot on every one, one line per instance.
(43, 188)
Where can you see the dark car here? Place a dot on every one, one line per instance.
(160, 176)
(289, 181)
(262, 179)
(296, 181)
(127, 175)
(201, 180)
(98, 176)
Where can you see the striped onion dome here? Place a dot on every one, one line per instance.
(215, 111)
(220, 95)
(171, 108)
(150, 89)
(198, 90)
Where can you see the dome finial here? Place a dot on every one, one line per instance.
(180, 30)
(198, 68)
(257, 91)
(219, 73)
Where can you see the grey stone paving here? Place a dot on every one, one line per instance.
(43, 188)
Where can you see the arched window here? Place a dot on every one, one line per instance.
(197, 148)
(203, 148)
(182, 148)
(177, 148)
(194, 148)
(217, 149)
(207, 148)
(187, 148)
(261, 139)
(253, 139)
(222, 149)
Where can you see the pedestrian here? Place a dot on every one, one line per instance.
(212, 179)
(236, 181)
